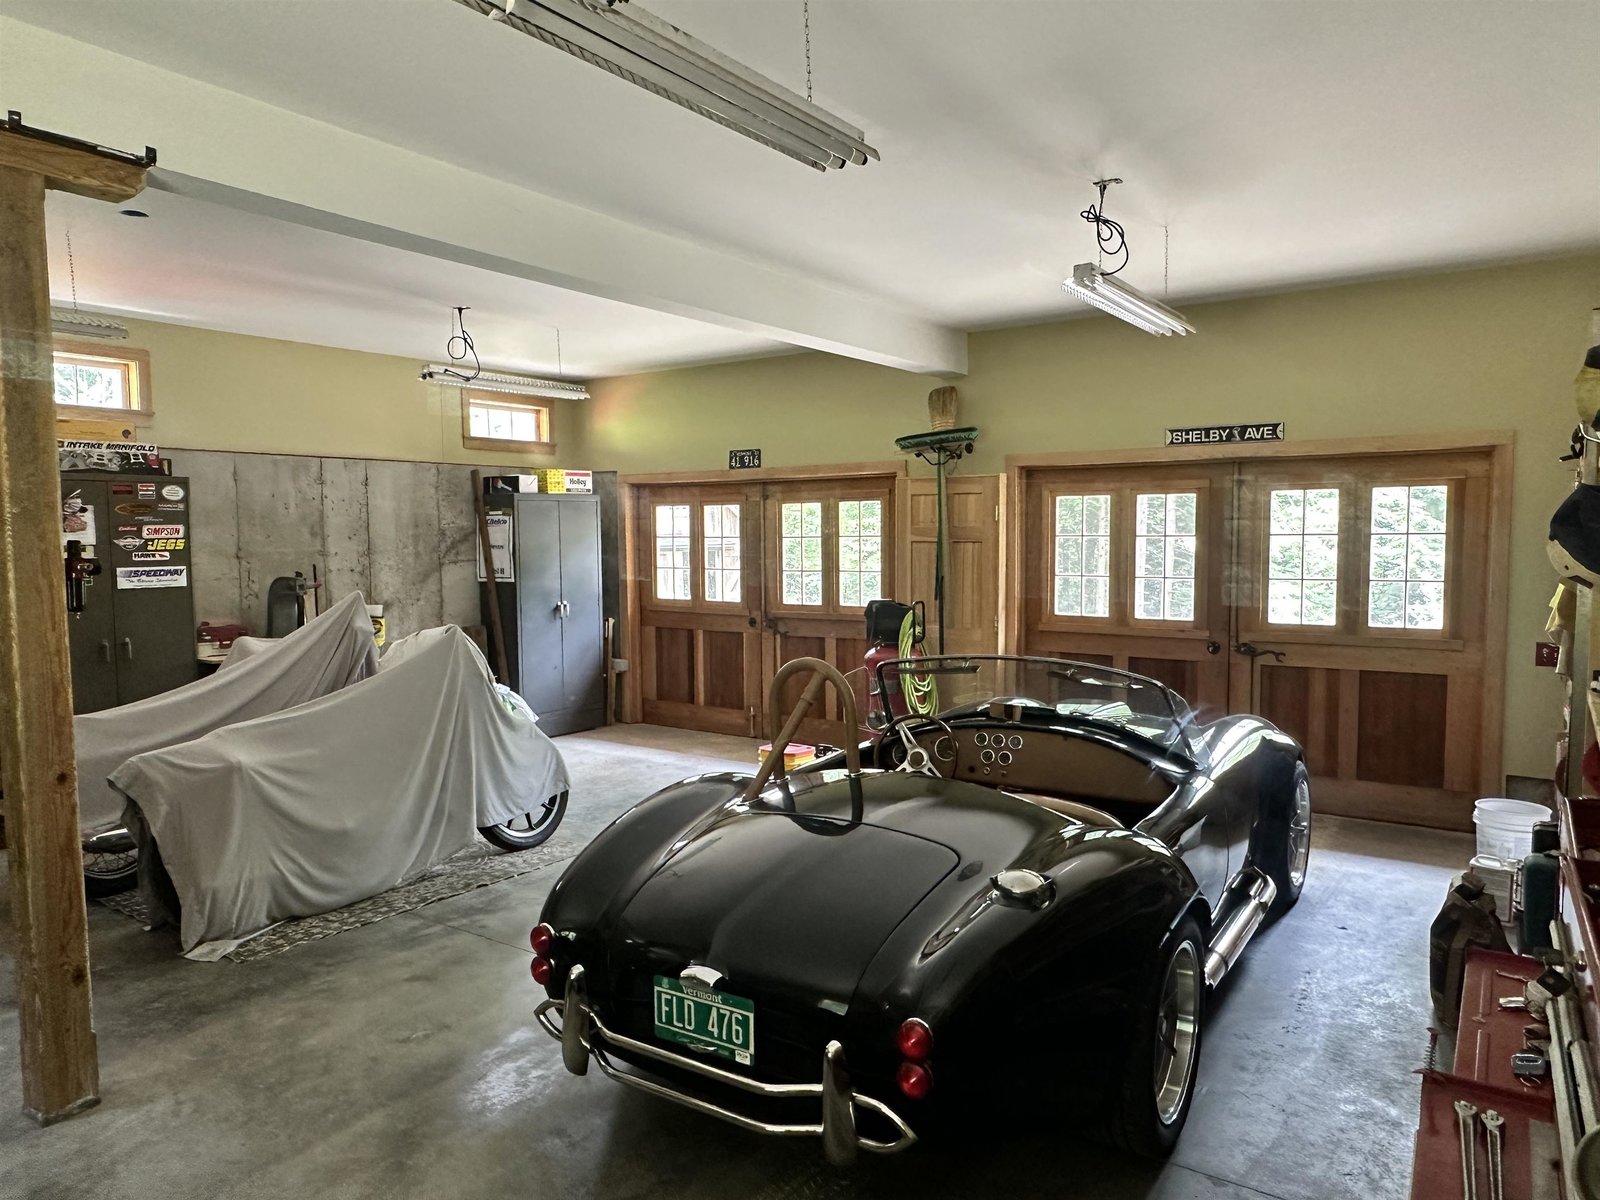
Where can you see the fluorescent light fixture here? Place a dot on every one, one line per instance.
(74, 323)
(624, 40)
(1110, 295)
(495, 381)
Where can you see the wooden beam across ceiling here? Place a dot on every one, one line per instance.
(60, 1065)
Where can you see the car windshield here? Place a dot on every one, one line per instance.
(942, 684)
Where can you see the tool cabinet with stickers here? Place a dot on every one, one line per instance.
(130, 612)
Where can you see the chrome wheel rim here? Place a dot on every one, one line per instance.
(528, 824)
(1300, 834)
(1177, 1033)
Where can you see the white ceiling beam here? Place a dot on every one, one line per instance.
(227, 148)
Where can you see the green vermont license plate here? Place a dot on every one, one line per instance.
(705, 1019)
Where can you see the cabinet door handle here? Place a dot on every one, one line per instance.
(105, 651)
(127, 648)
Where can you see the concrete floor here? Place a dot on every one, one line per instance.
(400, 1060)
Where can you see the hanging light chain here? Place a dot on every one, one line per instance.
(1166, 261)
(806, 10)
(72, 267)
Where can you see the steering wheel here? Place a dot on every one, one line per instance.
(821, 673)
(917, 760)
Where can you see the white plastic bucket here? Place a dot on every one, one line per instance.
(1505, 827)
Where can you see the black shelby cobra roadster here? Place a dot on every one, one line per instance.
(1033, 887)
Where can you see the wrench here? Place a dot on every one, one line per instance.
(1467, 1131)
(1492, 1121)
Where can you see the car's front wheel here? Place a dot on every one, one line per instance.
(531, 828)
(1158, 1080)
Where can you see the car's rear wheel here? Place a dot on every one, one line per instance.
(1157, 1086)
(110, 872)
(531, 828)
(1287, 844)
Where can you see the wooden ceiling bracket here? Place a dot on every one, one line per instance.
(60, 1064)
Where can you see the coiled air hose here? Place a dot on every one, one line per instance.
(922, 691)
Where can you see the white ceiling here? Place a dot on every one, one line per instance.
(201, 264)
(1284, 144)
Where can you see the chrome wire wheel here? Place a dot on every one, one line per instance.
(529, 829)
(1177, 1032)
(1300, 834)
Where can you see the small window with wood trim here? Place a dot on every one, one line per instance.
(719, 525)
(1303, 556)
(1164, 556)
(1082, 570)
(92, 382)
(860, 552)
(802, 552)
(673, 573)
(491, 421)
(1406, 566)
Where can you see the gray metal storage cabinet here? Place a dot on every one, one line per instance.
(554, 628)
(135, 635)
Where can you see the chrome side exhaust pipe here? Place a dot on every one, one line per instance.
(575, 1023)
(1235, 934)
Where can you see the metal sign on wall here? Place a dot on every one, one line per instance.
(1212, 435)
(743, 460)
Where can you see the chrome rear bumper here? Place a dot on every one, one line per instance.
(583, 1036)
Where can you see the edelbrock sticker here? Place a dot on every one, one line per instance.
(152, 577)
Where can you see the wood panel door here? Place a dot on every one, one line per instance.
(972, 558)
(1349, 600)
(699, 555)
(1126, 567)
(828, 550)
(1364, 592)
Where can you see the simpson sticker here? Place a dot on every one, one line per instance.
(151, 556)
(147, 491)
(129, 543)
(172, 492)
(136, 509)
(164, 543)
(163, 531)
(152, 577)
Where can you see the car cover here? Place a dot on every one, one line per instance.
(325, 654)
(319, 806)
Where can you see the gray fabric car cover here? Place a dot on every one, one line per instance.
(322, 805)
(325, 654)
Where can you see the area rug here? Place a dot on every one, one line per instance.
(481, 867)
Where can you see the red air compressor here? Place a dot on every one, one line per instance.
(890, 637)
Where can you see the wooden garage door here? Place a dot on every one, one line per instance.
(735, 581)
(1344, 599)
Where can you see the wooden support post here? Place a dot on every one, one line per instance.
(60, 1068)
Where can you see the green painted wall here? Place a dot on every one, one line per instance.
(1485, 349)
(226, 391)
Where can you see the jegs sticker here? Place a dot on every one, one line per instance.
(152, 577)
(164, 543)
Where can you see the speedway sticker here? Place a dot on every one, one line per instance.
(152, 577)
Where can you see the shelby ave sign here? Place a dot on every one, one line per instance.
(1209, 435)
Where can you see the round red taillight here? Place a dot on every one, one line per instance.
(915, 1081)
(914, 1039)
(541, 939)
(542, 969)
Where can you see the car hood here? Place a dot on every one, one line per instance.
(782, 902)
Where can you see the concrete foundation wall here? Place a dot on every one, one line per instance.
(404, 534)
(401, 533)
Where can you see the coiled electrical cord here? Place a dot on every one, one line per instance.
(1113, 241)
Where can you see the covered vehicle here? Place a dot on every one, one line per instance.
(313, 808)
(1028, 894)
(326, 654)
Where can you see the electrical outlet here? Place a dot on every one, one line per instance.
(1546, 654)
